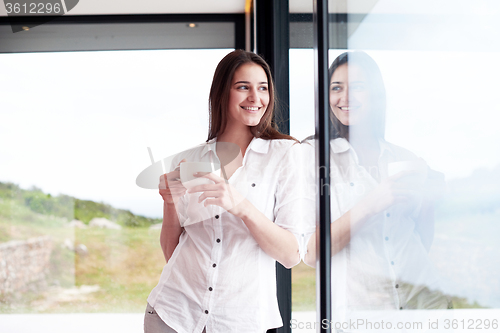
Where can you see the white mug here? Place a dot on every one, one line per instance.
(187, 170)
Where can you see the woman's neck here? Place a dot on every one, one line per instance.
(367, 147)
(241, 137)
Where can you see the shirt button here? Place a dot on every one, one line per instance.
(210, 288)
(401, 308)
(206, 311)
(214, 265)
(218, 240)
(397, 285)
(253, 184)
(352, 184)
(387, 238)
(216, 216)
(388, 215)
(392, 262)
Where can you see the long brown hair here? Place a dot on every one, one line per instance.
(219, 97)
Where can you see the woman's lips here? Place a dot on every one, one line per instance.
(347, 108)
(251, 108)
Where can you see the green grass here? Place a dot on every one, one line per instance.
(126, 264)
(303, 288)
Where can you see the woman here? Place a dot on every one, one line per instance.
(381, 203)
(220, 271)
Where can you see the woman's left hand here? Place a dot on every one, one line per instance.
(220, 193)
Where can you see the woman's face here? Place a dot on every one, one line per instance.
(349, 95)
(248, 95)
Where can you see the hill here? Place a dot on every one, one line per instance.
(67, 207)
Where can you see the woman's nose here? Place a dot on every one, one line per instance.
(252, 95)
(344, 95)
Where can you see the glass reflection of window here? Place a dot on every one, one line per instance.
(438, 63)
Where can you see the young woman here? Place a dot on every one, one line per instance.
(382, 216)
(221, 240)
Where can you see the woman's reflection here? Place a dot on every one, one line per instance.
(381, 202)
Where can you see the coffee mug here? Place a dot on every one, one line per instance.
(187, 170)
(418, 170)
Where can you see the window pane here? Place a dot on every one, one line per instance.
(412, 135)
(75, 130)
(302, 126)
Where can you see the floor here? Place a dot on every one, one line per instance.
(92, 322)
(483, 320)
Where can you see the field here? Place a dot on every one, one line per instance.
(118, 269)
(115, 274)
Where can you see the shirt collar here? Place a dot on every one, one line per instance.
(257, 145)
(340, 145)
(385, 147)
(208, 146)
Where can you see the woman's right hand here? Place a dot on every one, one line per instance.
(171, 188)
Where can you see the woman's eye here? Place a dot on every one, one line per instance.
(357, 87)
(336, 88)
(242, 88)
(263, 88)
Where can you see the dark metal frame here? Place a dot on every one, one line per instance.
(273, 44)
(323, 241)
(60, 21)
(337, 23)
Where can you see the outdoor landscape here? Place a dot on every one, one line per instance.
(92, 269)
(112, 266)
(95, 269)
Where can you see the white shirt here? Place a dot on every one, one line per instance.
(218, 277)
(385, 266)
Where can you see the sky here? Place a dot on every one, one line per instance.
(80, 123)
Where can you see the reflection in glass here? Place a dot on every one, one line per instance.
(382, 204)
(380, 261)
(439, 64)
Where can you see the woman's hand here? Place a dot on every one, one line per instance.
(171, 188)
(392, 190)
(277, 242)
(220, 194)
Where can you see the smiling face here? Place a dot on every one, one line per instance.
(350, 98)
(248, 96)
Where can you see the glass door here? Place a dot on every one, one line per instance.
(413, 167)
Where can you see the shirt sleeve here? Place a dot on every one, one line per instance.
(294, 208)
(308, 201)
